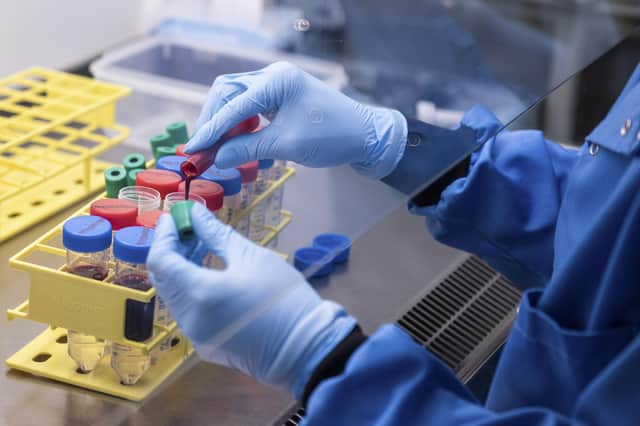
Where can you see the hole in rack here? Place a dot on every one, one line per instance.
(100, 170)
(78, 181)
(18, 87)
(42, 93)
(42, 357)
(41, 119)
(8, 154)
(32, 144)
(36, 78)
(13, 215)
(76, 125)
(175, 342)
(27, 104)
(55, 135)
(86, 143)
(37, 203)
(6, 114)
(67, 151)
(3, 96)
(106, 132)
(59, 191)
(79, 371)
(62, 339)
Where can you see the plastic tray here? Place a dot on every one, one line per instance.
(68, 301)
(183, 70)
(52, 126)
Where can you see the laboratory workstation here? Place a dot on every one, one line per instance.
(320, 212)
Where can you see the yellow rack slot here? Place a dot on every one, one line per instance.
(52, 127)
(66, 301)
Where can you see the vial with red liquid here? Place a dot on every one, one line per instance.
(87, 240)
(249, 173)
(231, 182)
(257, 218)
(130, 249)
(273, 215)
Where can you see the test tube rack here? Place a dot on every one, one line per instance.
(53, 125)
(65, 301)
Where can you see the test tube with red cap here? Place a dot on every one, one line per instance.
(257, 218)
(163, 181)
(249, 173)
(231, 182)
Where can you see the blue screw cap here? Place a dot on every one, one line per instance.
(229, 179)
(318, 259)
(132, 244)
(171, 163)
(265, 164)
(338, 244)
(86, 234)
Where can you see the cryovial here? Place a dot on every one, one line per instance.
(163, 181)
(146, 199)
(176, 197)
(231, 182)
(274, 202)
(87, 240)
(130, 249)
(249, 173)
(119, 212)
(257, 218)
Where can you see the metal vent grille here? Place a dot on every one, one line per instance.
(465, 317)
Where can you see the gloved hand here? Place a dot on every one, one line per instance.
(314, 125)
(258, 315)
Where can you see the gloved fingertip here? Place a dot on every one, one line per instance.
(199, 211)
(227, 158)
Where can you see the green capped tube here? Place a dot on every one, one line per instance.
(115, 178)
(165, 151)
(131, 176)
(159, 140)
(178, 132)
(181, 213)
(134, 161)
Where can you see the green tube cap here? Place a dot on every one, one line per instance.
(181, 213)
(178, 132)
(134, 161)
(115, 178)
(165, 151)
(158, 141)
(131, 176)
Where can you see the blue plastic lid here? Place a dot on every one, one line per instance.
(265, 164)
(229, 179)
(338, 244)
(312, 257)
(171, 163)
(132, 244)
(86, 234)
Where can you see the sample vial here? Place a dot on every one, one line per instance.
(273, 217)
(130, 248)
(87, 240)
(158, 141)
(131, 176)
(176, 197)
(211, 192)
(115, 178)
(178, 133)
(231, 182)
(119, 212)
(134, 161)
(257, 218)
(171, 163)
(145, 198)
(164, 181)
(249, 173)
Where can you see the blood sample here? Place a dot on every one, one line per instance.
(212, 193)
(149, 218)
(164, 181)
(120, 213)
(130, 248)
(257, 218)
(87, 240)
(171, 163)
(231, 182)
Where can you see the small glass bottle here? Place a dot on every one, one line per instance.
(273, 217)
(257, 218)
(231, 182)
(249, 173)
(130, 248)
(87, 240)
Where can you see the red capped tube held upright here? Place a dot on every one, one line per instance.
(197, 163)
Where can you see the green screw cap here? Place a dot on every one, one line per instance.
(134, 161)
(158, 141)
(178, 132)
(181, 213)
(131, 176)
(164, 151)
(115, 178)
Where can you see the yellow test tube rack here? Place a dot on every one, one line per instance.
(53, 125)
(66, 301)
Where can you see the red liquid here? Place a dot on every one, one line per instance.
(90, 271)
(187, 186)
(138, 324)
(197, 163)
(134, 281)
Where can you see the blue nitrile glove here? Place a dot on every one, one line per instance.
(315, 125)
(258, 315)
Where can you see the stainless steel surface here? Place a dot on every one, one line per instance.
(388, 267)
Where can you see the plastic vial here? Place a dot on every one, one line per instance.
(145, 198)
(273, 217)
(231, 182)
(134, 161)
(257, 219)
(164, 181)
(176, 197)
(120, 213)
(130, 248)
(249, 173)
(115, 178)
(87, 240)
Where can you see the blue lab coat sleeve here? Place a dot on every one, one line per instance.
(505, 209)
